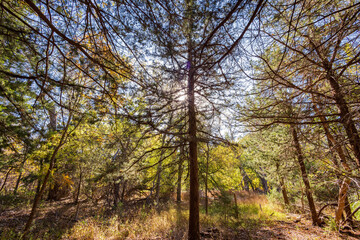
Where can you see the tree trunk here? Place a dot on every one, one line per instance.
(46, 178)
(345, 116)
(194, 225)
(38, 185)
(180, 172)
(20, 174)
(158, 181)
(6, 177)
(284, 192)
(123, 191)
(116, 189)
(159, 171)
(302, 198)
(344, 187)
(304, 175)
(17, 182)
(246, 180)
(282, 185)
(341, 201)
(206, 180)
(78, 188)
(77, 196)
(263, 181)
(194, 232)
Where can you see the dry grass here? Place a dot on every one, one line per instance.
(254, 218)
(170, 221)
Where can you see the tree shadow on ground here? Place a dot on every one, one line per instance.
(52, 219)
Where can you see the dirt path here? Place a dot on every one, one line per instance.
(296, 231)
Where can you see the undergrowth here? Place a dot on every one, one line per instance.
(167, 221)
(170, 222)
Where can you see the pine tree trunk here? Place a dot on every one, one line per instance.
(206, 179)
(194, 232)
(284, 192)
(17, 183)
(304, 175)
(344, 186)
(194, 222)
(263, 181)
(5, 180)
(345, 116)
(246, 180)
(46, 178)
(20, 174)
(180, 171)
(282, 185)
(78, 188)
(158, 181)
(341, 200)
(159, 171)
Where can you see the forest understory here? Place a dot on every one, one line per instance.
(253, 217)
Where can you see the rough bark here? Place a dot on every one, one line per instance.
(194, 232)
(194, 222)
(341, 200)
(304, 175)
(344, 186)
(345, 115)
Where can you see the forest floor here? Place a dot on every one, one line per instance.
(256, 218)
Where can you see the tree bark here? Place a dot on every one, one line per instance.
(17, 182)
(5, 180)
(158, 181)
(159, 171)
(20, 174)
(304, 175)
(46, 178)
(263, 181)
(282, 185)
(344, 186)
(284, 192)
(206, 179)
(123, 191)
(194, 232)
(341, 200)
(79, 187)
(194, 224)
(345, 115)
(180, 172)
(246, 180)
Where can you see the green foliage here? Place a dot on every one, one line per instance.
(354, 206)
